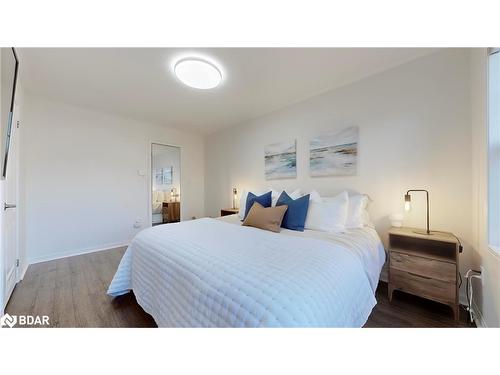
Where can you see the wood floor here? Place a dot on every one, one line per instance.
(72, 292)
(407, 311)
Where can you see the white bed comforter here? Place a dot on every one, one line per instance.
(211, 273)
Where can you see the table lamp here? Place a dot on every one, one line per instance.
(408, 208)
(235, 197)
(173, 194)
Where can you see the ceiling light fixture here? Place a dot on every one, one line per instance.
(198, 73)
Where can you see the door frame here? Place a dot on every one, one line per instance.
(4, 299)
(150, 176)
(20, 274)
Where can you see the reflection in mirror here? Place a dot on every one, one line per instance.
(166, 184)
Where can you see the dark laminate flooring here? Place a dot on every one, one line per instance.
(72, 292)
(407, 311)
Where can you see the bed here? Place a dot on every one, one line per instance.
(157, 206)
(217, 273)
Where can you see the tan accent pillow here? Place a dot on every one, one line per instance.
(269, 218)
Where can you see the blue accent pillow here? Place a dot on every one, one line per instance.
(265, 200)
(295, 216)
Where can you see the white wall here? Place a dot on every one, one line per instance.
(414, 123)
(487, 295)
(80, 183)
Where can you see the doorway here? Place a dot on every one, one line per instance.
(165, 184)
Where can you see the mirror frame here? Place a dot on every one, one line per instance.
(150, 174)
(11, 115)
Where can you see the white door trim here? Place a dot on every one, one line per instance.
(15, 138)
(17, 122)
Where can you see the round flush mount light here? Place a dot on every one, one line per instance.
(198, 73)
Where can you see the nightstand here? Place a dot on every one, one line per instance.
(424, 265)
(228, 211)
(171, 212)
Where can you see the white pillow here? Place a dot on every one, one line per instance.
(243, 204)
(357, 215)
(315, 197)
(158, 196)
(366, 219)
(328, 216)
(276, 194)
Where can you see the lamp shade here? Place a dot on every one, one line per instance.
(235, 197)
(407, 202)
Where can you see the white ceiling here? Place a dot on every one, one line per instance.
(138, 82)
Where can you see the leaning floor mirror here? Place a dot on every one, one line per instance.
(165, 184)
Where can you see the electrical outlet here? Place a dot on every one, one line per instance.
(138, 223)
(483, 275)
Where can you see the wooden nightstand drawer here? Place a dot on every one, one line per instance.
(426, 287)
(424, 265)
(432, 268)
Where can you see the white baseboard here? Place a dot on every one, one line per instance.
(71, 253)
(478, 317)
(23, 272)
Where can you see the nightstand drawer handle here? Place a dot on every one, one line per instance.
(423, 277)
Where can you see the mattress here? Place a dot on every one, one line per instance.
(365, 243)
(217, 273)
